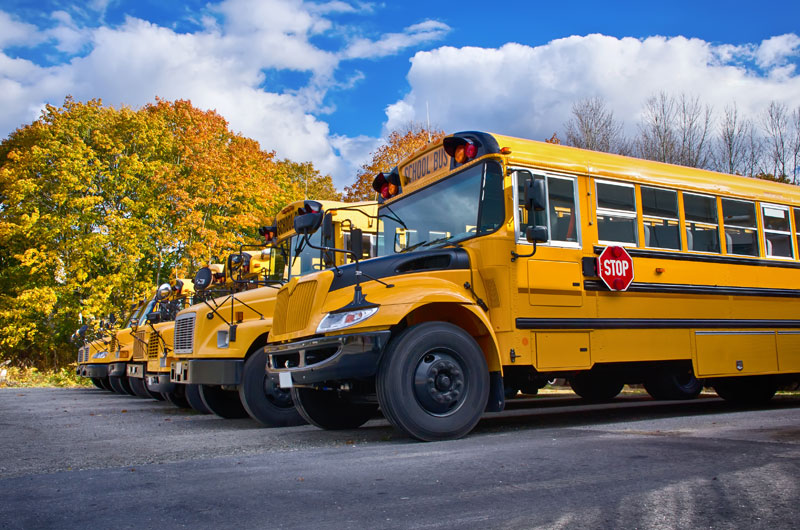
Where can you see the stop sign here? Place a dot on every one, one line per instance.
(615, 268)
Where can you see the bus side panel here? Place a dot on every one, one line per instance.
(789, 351)
(562, 350)
(721, 353)
(631, 345)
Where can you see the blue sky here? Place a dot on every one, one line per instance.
(325, 81)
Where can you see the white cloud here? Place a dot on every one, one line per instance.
(16, 33)
(391, 43)
(528, 91)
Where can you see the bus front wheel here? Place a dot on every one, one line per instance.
(266, 403)
(224, 403)
(138, 387)
(595, 388)
(330, 410)
(433, 382)
(98, 383)
(747, 390)
(195, 400)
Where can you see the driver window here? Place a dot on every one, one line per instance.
(560, 216)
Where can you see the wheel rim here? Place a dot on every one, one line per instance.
(440, 384)
(276, 395)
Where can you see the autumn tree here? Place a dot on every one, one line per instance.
(397, 146)
(99, 204)
(592, 126)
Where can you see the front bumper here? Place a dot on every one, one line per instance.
(207, 372)
(117, 369)
(94, 370)
(159, 383)
(334, 358)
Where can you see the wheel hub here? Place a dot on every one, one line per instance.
(278, 396)
(439, 383)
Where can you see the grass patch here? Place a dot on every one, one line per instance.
(12, 376)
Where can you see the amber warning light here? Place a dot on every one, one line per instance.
(387, 185)
(461, 149)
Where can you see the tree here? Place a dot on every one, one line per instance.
(99, 204)
(398, 145)
(675, 131)
(592, 126)
(736, 146)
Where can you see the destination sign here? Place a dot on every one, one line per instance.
(431, 163)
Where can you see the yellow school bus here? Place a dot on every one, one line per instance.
(218, 344)
(501, 264)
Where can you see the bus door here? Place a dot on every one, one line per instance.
(550, 282)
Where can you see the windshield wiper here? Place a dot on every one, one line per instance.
(435, 241)
(412, 247)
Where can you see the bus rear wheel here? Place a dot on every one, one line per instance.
(331, 410)
(673, 384)
(138, 387)
(433, 382)
(195, 400)
(224, 403)
(747, 390)
(264, 401)
(595, 388)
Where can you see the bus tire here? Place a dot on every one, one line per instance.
(595, 388)
(673, 384)
(224, 403)
(263, 400)
(106, 384)
(746, 391)
(98, 383)
(433, 382)
(158, 396)
(195, 400)
(177, 397)
(331, 410)
(120, 385)
(138, 387)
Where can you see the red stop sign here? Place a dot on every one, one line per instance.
(615, 268)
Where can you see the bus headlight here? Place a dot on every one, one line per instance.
(100, 355)
(334, 321)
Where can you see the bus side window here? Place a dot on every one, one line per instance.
(741, 231)
(561, 206)
(539, 218)
(616, 213)
(797, 226)
(777, 231)
(662, 227)
(702, 225)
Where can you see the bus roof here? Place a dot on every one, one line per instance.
(560, 158)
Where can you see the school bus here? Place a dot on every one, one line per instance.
(97, 359)
(488, 274)
(218, 344)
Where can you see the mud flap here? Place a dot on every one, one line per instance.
(497, 399)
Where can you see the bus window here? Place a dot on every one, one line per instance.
(662, 227)
(616, 213)
(702, 226)
(777, 231)
(741, 231)
(797, 225)
(560, 216)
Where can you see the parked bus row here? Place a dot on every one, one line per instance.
(493, 264)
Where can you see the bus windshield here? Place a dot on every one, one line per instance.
(465, 205)
(299, 263)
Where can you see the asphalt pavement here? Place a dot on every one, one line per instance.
(84, 458)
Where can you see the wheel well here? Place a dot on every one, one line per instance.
(257, 344)
(462, 317)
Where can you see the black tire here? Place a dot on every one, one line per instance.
(510, 392)
(195, 400)
(673, 384)
(224, 403)
(747, 391)
(116, 383)
(331, 410)
(595, 388)
(177, 397)
(98, 383)
(138, 387)
(433, 382)
(106, 384)
(158, 396)
(263, 400)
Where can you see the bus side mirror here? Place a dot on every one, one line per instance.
(202, 279)
(535, 194)
(536, 234)
(154, 317)
(309, 218)
(82, 331)
(328, 240)
(357, 242)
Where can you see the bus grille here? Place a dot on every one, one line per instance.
(152, 347)
(139, 345)
(184, 333)
(292, 311)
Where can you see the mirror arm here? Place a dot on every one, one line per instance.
(514, 255)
